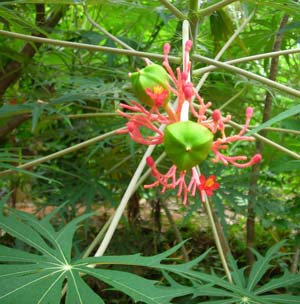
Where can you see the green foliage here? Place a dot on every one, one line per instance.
(39, 274)
(68, 96)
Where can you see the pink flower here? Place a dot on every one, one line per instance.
(187, 182)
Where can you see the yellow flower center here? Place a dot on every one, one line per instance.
(158, 89)
(209, 182)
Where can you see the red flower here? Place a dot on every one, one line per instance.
(208, 185)
(158, 95)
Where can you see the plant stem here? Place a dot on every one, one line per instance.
(217, 239)
(225, 47)
(268, 141)
(194, 19)
(97, 239)
(295, 261)
(250, 75)
(247, 59)
(209, 10)
(89, 47)
(230, 100)
(176, 230)
(255, 172)
(119, 211)
(60, 153)
(173, 59)
(108, 34)
(184, 114)
(173, 9)
(290, 131)
(104, 31)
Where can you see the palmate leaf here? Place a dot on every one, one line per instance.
(262, 264)
(40, 276)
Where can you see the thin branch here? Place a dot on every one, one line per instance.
(217, 239)
(153, 56)
(209, 10)
(89, 47)
(230, 100)
(250, 75)
(260, 137)
(84, 115)
(119, 211)
(60, 153)
(290, 131)
(226, 46)
(104, 31)
(247, 59)
(295, 261)
(108, 34)
(12, 124)
(173, 9)
(268, 141)
(176, 230)
(12, 71)
(194, 19)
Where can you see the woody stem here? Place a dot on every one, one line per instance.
(217, 239)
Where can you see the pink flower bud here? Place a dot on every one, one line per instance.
(184, 76)
(216, 115)
(167, 48)
(249, 112)
(188, 45)
(256, 158)
(188, 91)
(150, 161)
(130, 126)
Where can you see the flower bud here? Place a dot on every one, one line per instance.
(187, 143)
(153, 77)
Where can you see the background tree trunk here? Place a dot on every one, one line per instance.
(250, 238)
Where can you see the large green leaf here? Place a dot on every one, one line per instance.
(38, 277)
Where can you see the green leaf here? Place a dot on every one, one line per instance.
(283, 115)
(38, 277)
(139, 289)
(79, 291)
(262, 264)
(280, 299)
(284, 281)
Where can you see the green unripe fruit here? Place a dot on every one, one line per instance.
(153, 77)
(187, 143)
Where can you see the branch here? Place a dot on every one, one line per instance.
(226, 46)
(12, 124)
(173, 59)
(250, 75)
(173, 9)
(12, 72)
(268, 141)
(209, 10)
(60, 153)
(89, 47)
(247, 59)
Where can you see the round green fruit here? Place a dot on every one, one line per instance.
(153, 77)
(187, 143)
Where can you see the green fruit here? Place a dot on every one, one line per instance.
(152, 77)
(187, 143)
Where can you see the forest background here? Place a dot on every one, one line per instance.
(64, 72)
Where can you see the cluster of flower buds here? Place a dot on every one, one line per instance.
(153, 120)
